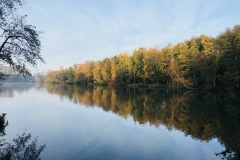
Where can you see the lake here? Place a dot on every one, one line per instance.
(80, 122)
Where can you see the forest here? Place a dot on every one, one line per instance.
(201, 62)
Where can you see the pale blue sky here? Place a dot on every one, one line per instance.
(80, 30)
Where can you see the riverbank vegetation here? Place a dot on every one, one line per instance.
(201, 62)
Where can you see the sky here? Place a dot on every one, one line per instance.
(75, 31)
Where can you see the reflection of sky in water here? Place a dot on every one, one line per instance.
(72, 131)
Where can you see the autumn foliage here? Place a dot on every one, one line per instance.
(201, 62)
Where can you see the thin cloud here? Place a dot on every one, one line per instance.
(76, 31)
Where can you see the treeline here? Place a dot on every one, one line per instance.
(199, 62)
(17, 78)
(11, 76)
(62, 75)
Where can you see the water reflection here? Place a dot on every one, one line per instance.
(201, 115)
(3, 125)
(21, 149)
(7, 89)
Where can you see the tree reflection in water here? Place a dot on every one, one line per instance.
(201, 115)
(3, 124)
(21, 149)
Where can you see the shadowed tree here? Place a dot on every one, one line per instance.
(20, 43)
(22, 148)
(228, 45)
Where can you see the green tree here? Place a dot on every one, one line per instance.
(207, 44)
(70, 75)
(193, 50)
(228, 45)
(61, 75)
(165, 56)
(123, 69)
(137, 64)
(149, 60)
(97, 72)
(106, 70)
(114, 62)
(179, 66)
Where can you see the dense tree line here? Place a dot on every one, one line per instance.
(62, 75)
(199, 62)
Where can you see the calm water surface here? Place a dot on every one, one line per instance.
(114, 123)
